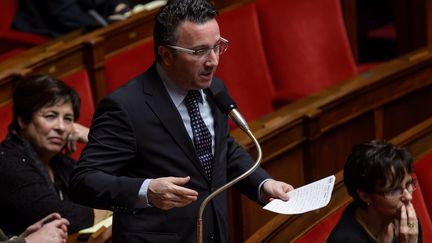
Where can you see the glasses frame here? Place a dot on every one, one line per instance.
(399, 191)
(206, 51)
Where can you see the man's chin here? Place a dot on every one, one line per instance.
(205, 83)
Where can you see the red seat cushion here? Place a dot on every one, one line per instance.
(243, 67)
(321, 231)
(128, 63)
(306, 44)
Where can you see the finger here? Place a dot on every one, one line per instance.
(49, 218)
(179, 180)
(73, 146)
(411, 216)
(411, 213)
(59, 223)
(183, 191)
(403, 217)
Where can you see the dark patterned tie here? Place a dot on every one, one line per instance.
(201, 135)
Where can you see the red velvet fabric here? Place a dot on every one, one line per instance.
(321, 231)
(81, 83)
(306, 44)
(11, 39)
(6, 119)
(9, 9)
(420, 207)
(127, 64)
(243, 67)
(423, 169)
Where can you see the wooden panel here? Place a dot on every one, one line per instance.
(327, 154)
(407, 112)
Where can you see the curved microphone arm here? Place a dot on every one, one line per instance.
(224, 187)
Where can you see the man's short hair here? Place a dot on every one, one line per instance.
(173, 14)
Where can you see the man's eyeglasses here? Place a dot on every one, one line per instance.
(410, 186)
(218, 49)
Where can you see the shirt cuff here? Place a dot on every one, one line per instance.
(259, 189)
(143, 201)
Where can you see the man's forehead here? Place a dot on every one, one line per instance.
(188, 32)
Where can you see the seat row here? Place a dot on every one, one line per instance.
(316, 226)
(302, 141)
(276, 55)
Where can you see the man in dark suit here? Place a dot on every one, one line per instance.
(151, 158)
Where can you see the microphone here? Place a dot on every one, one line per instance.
(228, 106)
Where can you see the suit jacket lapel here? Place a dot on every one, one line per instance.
(163, 107)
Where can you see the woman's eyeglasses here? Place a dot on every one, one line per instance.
(410, 186)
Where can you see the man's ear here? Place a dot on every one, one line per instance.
(365, 197)
(166, 55)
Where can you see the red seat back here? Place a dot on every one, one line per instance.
(243, 67)
(321, 231)
(128, 63)
(423, 216)
(423, 169)
(9, 9)
(306, 44)
(81, 83)
(6, 119)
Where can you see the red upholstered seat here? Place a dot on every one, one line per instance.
(306, 45)
(419, 204)
(128, 63)
(423, 168)
(243, 67)
(81, 83)
(11, 39)
(321, 231)
(6, 119)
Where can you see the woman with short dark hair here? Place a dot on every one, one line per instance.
(378, 176)
(34, 170)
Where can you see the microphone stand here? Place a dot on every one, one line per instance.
(224, 187)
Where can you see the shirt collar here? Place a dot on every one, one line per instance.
(176, 93)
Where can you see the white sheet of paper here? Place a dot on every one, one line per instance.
(306, 198)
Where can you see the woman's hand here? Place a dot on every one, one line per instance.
(79, 134)
(408, 225)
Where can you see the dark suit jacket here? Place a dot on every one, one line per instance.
(138, 133)
(57, 17)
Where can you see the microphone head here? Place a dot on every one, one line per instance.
(224, 102)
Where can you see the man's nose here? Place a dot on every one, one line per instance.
(212, 59)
